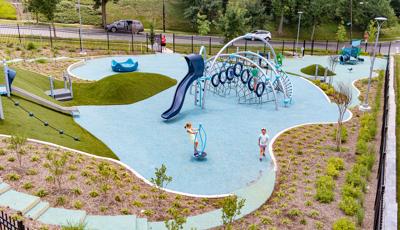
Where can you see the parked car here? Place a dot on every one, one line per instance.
(126, 26)
(259, 33)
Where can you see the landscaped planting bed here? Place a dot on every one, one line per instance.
(100, 187)
(318, 187)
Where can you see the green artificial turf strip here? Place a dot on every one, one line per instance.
(124, 88)
(310, 70)
(7, 10)
(18, 122)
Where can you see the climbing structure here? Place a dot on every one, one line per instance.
(253, 78)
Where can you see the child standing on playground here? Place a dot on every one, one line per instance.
(192, 135)
(263, 142)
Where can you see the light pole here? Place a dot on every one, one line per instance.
(80, 28)
(163, 15)
(298, 29)
(379, 21)
(351, 21)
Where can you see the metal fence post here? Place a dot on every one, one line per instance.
(283, 46)
(366, 46)
(51, 39)
(337, 46)
(380, 46)
(19, 34)
(245, 45)
(192, 45)
(312, 47)
(173, 43)
(389, 49)
(209, 46)
(80, 39)
(108, 41)
(147, 43)
(304, 48)
(20, 225)
(326, 45)
(294, 46)
(132, 49)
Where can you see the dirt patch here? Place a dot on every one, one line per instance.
(87, 186)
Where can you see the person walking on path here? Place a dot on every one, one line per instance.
(263, 142)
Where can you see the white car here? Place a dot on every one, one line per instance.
(259, 33)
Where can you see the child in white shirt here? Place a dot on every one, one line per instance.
(263, 142)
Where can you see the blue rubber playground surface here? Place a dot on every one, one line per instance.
(141, 139)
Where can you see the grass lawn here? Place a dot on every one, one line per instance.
(7, 10)
(397, 87)
(18, 122)
(310, 70)
(125, 88)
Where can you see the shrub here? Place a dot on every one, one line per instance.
(349, 205)
(366, 159)
(30, 46)
(361, 147)
(266, 220)
(35, 158)
(31, 172)
(137, 203)
(76, 191)
(295, 212)
(41, 193)
(360, 216)
(93, 194)
(343, 224)
(313, 214)
(125, 211)
(61, 200)
(356, 180)
(27, 185)
(352, 191)
(331, 170)
(78, 204)
(337, 162)
(11, 159)
(344, 134)
(13, 177)
(117, 198)
(148, 212)
(325, 186)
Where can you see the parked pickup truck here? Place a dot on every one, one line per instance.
(126, 26)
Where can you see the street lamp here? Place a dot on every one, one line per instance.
(298, 29)
(379, 21)
(80, 28)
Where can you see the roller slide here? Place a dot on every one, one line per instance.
(196, 68)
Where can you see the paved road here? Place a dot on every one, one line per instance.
(99, 34)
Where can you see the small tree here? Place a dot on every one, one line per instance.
(231, 207)
(161, 181)
(372, 30)
(16, 144)
(203, 25)
(233, 23)
(177, 219)
(48, 9)
(341, 34)
(57, 166)
(342, 98)
(152, 34)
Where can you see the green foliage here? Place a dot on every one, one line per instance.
(203, 25)
(13, 177)
(161, 180)
(343, 133)
(310, 70)
(41, 193)
(337, 162)
(61, 200)
(295, 212)
(343, 224)
(78, 204)
(74, 226)
(16, 143)
(57, 166)
(231, 207)
(341, 34)
(233, 22)
(349, 205)
(351, 191)
(177, 219)
(372, 30)
(93, 194)
(106, 173)
(7, 11)
(324, 189)
(332, 171)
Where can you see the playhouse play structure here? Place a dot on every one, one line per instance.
(351, 55)
(253, 78)
(127, 66)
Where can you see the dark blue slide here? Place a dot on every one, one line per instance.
(196, 68)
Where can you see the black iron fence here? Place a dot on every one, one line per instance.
(382, 155)
(9, 223)
(99, 39)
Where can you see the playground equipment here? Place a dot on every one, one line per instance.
(127, 66)
(251, 77)
(351, 55)
(9, 76)
(63, 94)
(201, 138)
